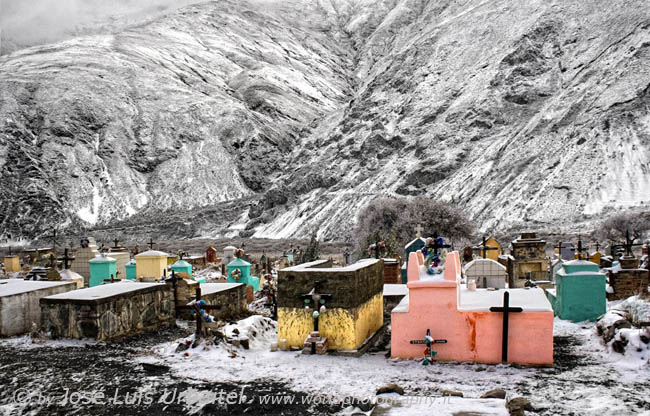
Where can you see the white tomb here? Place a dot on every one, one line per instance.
(486, 273)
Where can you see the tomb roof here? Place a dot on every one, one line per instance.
(102, 259)
(229, 248)
(307, 267)
(68, 274)
(238, 262)
(104, 291)
(413, 242)
(152, 253)
(181, 263)
(9, 287)
(530, 300)
(395, 289)
(485, 261)
(208, 288)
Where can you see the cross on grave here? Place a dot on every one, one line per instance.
(597, 246)
(418, 231)
(428, 352)
(197, 306)
(437, 246)
(53, 236)
(174, 281)
(66, 259)
(113, 279)
(506, 309)
(10, 253)
(317, 299)
(485, 247)
(116, 243)
(628, 245)
(151, 243)
(582, 249)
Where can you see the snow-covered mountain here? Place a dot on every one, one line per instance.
(274, 118)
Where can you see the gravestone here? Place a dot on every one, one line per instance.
(83, 255)
(478, 325)
(131, 270)
(486, 273)
(228, 254)
(530, 262)
(579, 293)
(102, 268)
(211, 255)
(242, 274)
(415, 245)
(350, 308)
(19, 303)
(151, 265)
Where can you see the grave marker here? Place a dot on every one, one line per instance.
(506, 310)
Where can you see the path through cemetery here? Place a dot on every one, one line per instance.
(43, 379)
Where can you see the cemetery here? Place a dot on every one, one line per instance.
(503, 308)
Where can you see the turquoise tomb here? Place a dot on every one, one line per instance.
(101, 268)
(580, 291)
(245, 270)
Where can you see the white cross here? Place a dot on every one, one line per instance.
(418, 231)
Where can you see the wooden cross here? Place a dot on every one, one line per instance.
(196, 308)
(151, 243)
(628, 245)
(116, 243)
(66, 259)
(506, 309)
(418, 231)
(485, 247)
(10, 253)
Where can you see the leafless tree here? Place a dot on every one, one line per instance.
(614, 228)
(385, 216)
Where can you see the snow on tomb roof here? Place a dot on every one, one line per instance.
(104, 292)
(152, 253)
(480, 300)
(420, 238)
(395, 289)
(482, 260)
(9, 287)
(69, 274)
(230, 248)
(181, 263)
(238, 262)
(307, 267)
(208, 288)
(102, 259)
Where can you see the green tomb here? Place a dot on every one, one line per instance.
(101, 268)
(580, 291)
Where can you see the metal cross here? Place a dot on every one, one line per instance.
(506, 309)
(151, 243)
(117, 243)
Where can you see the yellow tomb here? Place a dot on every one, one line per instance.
(350, 311)
(493, 251)
(150, 265)
(12, 264)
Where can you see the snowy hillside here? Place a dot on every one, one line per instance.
(276, 118)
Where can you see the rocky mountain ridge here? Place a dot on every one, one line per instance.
(277, 118)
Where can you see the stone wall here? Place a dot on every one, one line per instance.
(349, 286)
(111, 317)
(628, 282)
(232, 299)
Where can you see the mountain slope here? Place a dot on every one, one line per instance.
(276, 118)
